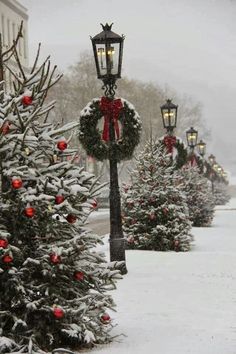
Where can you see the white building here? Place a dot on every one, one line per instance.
(11, 15)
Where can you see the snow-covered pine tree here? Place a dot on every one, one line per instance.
(155, 213)
(221, 193)
(199, 195)
(53, 283)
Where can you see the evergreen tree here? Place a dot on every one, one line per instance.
(155, 213)
(53, 283)
(221, 193)
(199, 195)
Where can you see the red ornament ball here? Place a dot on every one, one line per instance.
(152, 216)
(27, 100)
(3, 243)
(29, 212)
(165, 210)
(58, 312)
(7, 259)
(176, 243)
(16, 183)
(71, 218)
(59, 199)
(5, 128)
(79, 276)
(62, 145)
(105, 318)
(55, 258)
(94, 204)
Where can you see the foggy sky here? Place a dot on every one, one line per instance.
(189, 45)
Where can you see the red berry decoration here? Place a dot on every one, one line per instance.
(27, 100)
(79, 276)
(5, 128)
(71, 218)
(94, 204)
(62, 145)
(16, 183)
(105, 318)
(3, 243)
(152, 216)
(29, 212)
(58, 312)
(7, 259)
(59, 199)
(55, 258)
(165, 210)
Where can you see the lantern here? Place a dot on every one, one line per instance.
(169, 115)
(201, 148)
(211, 159)
(108, 52)
(192, 137)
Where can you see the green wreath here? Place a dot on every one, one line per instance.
(91, 136)
(182, 155)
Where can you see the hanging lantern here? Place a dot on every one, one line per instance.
(201, 148)
(108, 52)
(212, 159)
(192, 137)
(169, 115)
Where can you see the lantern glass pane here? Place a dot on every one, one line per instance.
(169, 117)
(101, 55)
(112, 58)
(192, 139)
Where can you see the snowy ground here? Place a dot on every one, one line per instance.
(179, 303)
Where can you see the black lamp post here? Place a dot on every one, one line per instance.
(192, 135)
(201, 148)
(211, 159)
(169, 116)
(108, 51)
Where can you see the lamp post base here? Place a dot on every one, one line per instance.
(117, 253)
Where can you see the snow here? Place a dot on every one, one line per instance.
(180, 303)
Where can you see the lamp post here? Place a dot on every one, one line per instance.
(191, 136)
(201, 146)
(212, 161)
(108, 52)
(169, 116)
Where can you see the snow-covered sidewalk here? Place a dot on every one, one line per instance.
(179, 303)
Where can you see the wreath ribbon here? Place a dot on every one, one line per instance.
(111, 110)
(169, 142)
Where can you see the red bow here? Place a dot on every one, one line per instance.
(193, 161)
(111, 110)
(169, 142)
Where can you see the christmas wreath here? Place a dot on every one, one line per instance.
(94, 133)
(177, 148)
